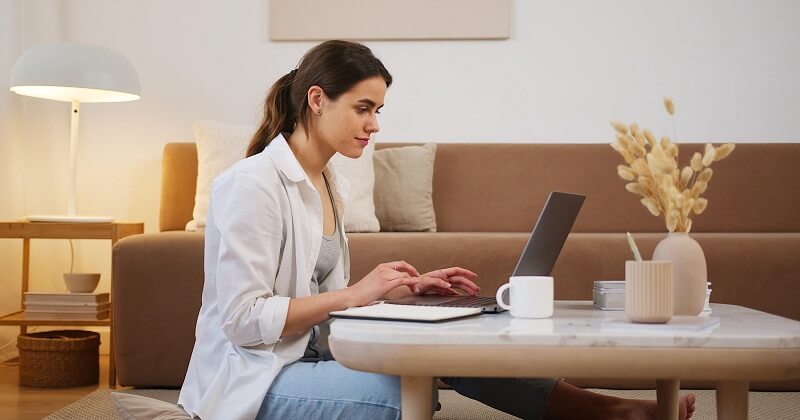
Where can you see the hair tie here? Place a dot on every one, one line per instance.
(292, 73)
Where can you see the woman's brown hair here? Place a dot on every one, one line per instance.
(334, 66)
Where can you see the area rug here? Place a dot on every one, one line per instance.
(763, 405)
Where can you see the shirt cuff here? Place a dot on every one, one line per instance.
(273, 318)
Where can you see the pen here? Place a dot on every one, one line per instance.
(634, 249)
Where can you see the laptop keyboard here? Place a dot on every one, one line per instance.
(460, 302)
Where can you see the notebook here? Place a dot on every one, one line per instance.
(392, 312)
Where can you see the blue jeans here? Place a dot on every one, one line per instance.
(328, 390)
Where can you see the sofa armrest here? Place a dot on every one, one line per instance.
(178, 181)
(157, 289)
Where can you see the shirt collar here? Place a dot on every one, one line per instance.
(280, 152)
(278, 149)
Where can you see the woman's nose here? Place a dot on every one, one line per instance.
(372, 125)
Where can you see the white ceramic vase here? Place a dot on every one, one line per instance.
(688, 272)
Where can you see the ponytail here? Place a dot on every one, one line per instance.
(278, 115)
(334, 66)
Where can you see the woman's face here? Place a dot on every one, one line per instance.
(346, 124)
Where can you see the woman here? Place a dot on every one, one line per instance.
(276, 263)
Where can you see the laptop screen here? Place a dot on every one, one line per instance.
(549, 234)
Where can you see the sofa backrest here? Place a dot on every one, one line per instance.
(496, 187)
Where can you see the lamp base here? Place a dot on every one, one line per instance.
(65, 218)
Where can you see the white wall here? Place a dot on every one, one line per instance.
(569, 67)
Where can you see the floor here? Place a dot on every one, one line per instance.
(26, 403)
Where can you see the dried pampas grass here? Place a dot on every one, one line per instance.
(669, 106)
(652, 171)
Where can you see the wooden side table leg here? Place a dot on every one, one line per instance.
(26, 264)
(732, 399)
(416, 394)
(667, 395)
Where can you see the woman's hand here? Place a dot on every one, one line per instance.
(382, 280)
(447, 281)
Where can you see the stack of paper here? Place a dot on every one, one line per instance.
(609, 295)
(70, 306)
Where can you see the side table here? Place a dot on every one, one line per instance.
(46, 230)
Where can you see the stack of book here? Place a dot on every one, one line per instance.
(72, 306)
(609, 295)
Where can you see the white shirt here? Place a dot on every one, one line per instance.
(262, 238)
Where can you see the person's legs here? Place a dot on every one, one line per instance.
(570, 402)
(524, 398)
(556, 399)
(328, 390)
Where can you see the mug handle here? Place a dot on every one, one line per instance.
(499, 296)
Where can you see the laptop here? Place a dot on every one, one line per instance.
(537, 258)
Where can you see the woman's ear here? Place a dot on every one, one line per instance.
(316, 97)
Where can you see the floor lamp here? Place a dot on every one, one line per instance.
(74, 73)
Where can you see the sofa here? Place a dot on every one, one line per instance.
(486, 198)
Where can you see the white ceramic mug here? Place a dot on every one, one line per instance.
(530, 296)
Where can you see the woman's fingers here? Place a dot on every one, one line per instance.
(444, 273)
(465, 284)
(461, 283)
(458, 271)
(403, 281)
(443, 287)
(404, 267)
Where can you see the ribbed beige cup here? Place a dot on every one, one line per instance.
(648, 291)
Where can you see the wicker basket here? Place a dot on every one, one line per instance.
(59, 358)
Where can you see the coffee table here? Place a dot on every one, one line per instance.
(578, 341)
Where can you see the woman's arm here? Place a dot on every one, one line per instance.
(306, 312)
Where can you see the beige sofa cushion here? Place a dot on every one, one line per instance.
(218, 147)
(359, 215)
(404, 188)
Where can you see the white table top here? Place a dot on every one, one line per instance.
(577, 324)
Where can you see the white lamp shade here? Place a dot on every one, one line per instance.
(75, 72)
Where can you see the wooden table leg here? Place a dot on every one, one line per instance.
(667, 395)
(26, 265)
(416, 394)
(732, 399)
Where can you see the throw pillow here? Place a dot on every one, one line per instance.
(133, 407)
(359, 214)
(404, 188)
(219, 146)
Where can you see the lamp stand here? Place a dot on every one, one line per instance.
(71, 216)
(74, 127)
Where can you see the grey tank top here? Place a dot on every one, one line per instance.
(329, 252)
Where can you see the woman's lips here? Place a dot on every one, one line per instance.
(363, 142)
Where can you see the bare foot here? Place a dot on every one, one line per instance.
(648, 409)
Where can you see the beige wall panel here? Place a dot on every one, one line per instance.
(305, 20)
